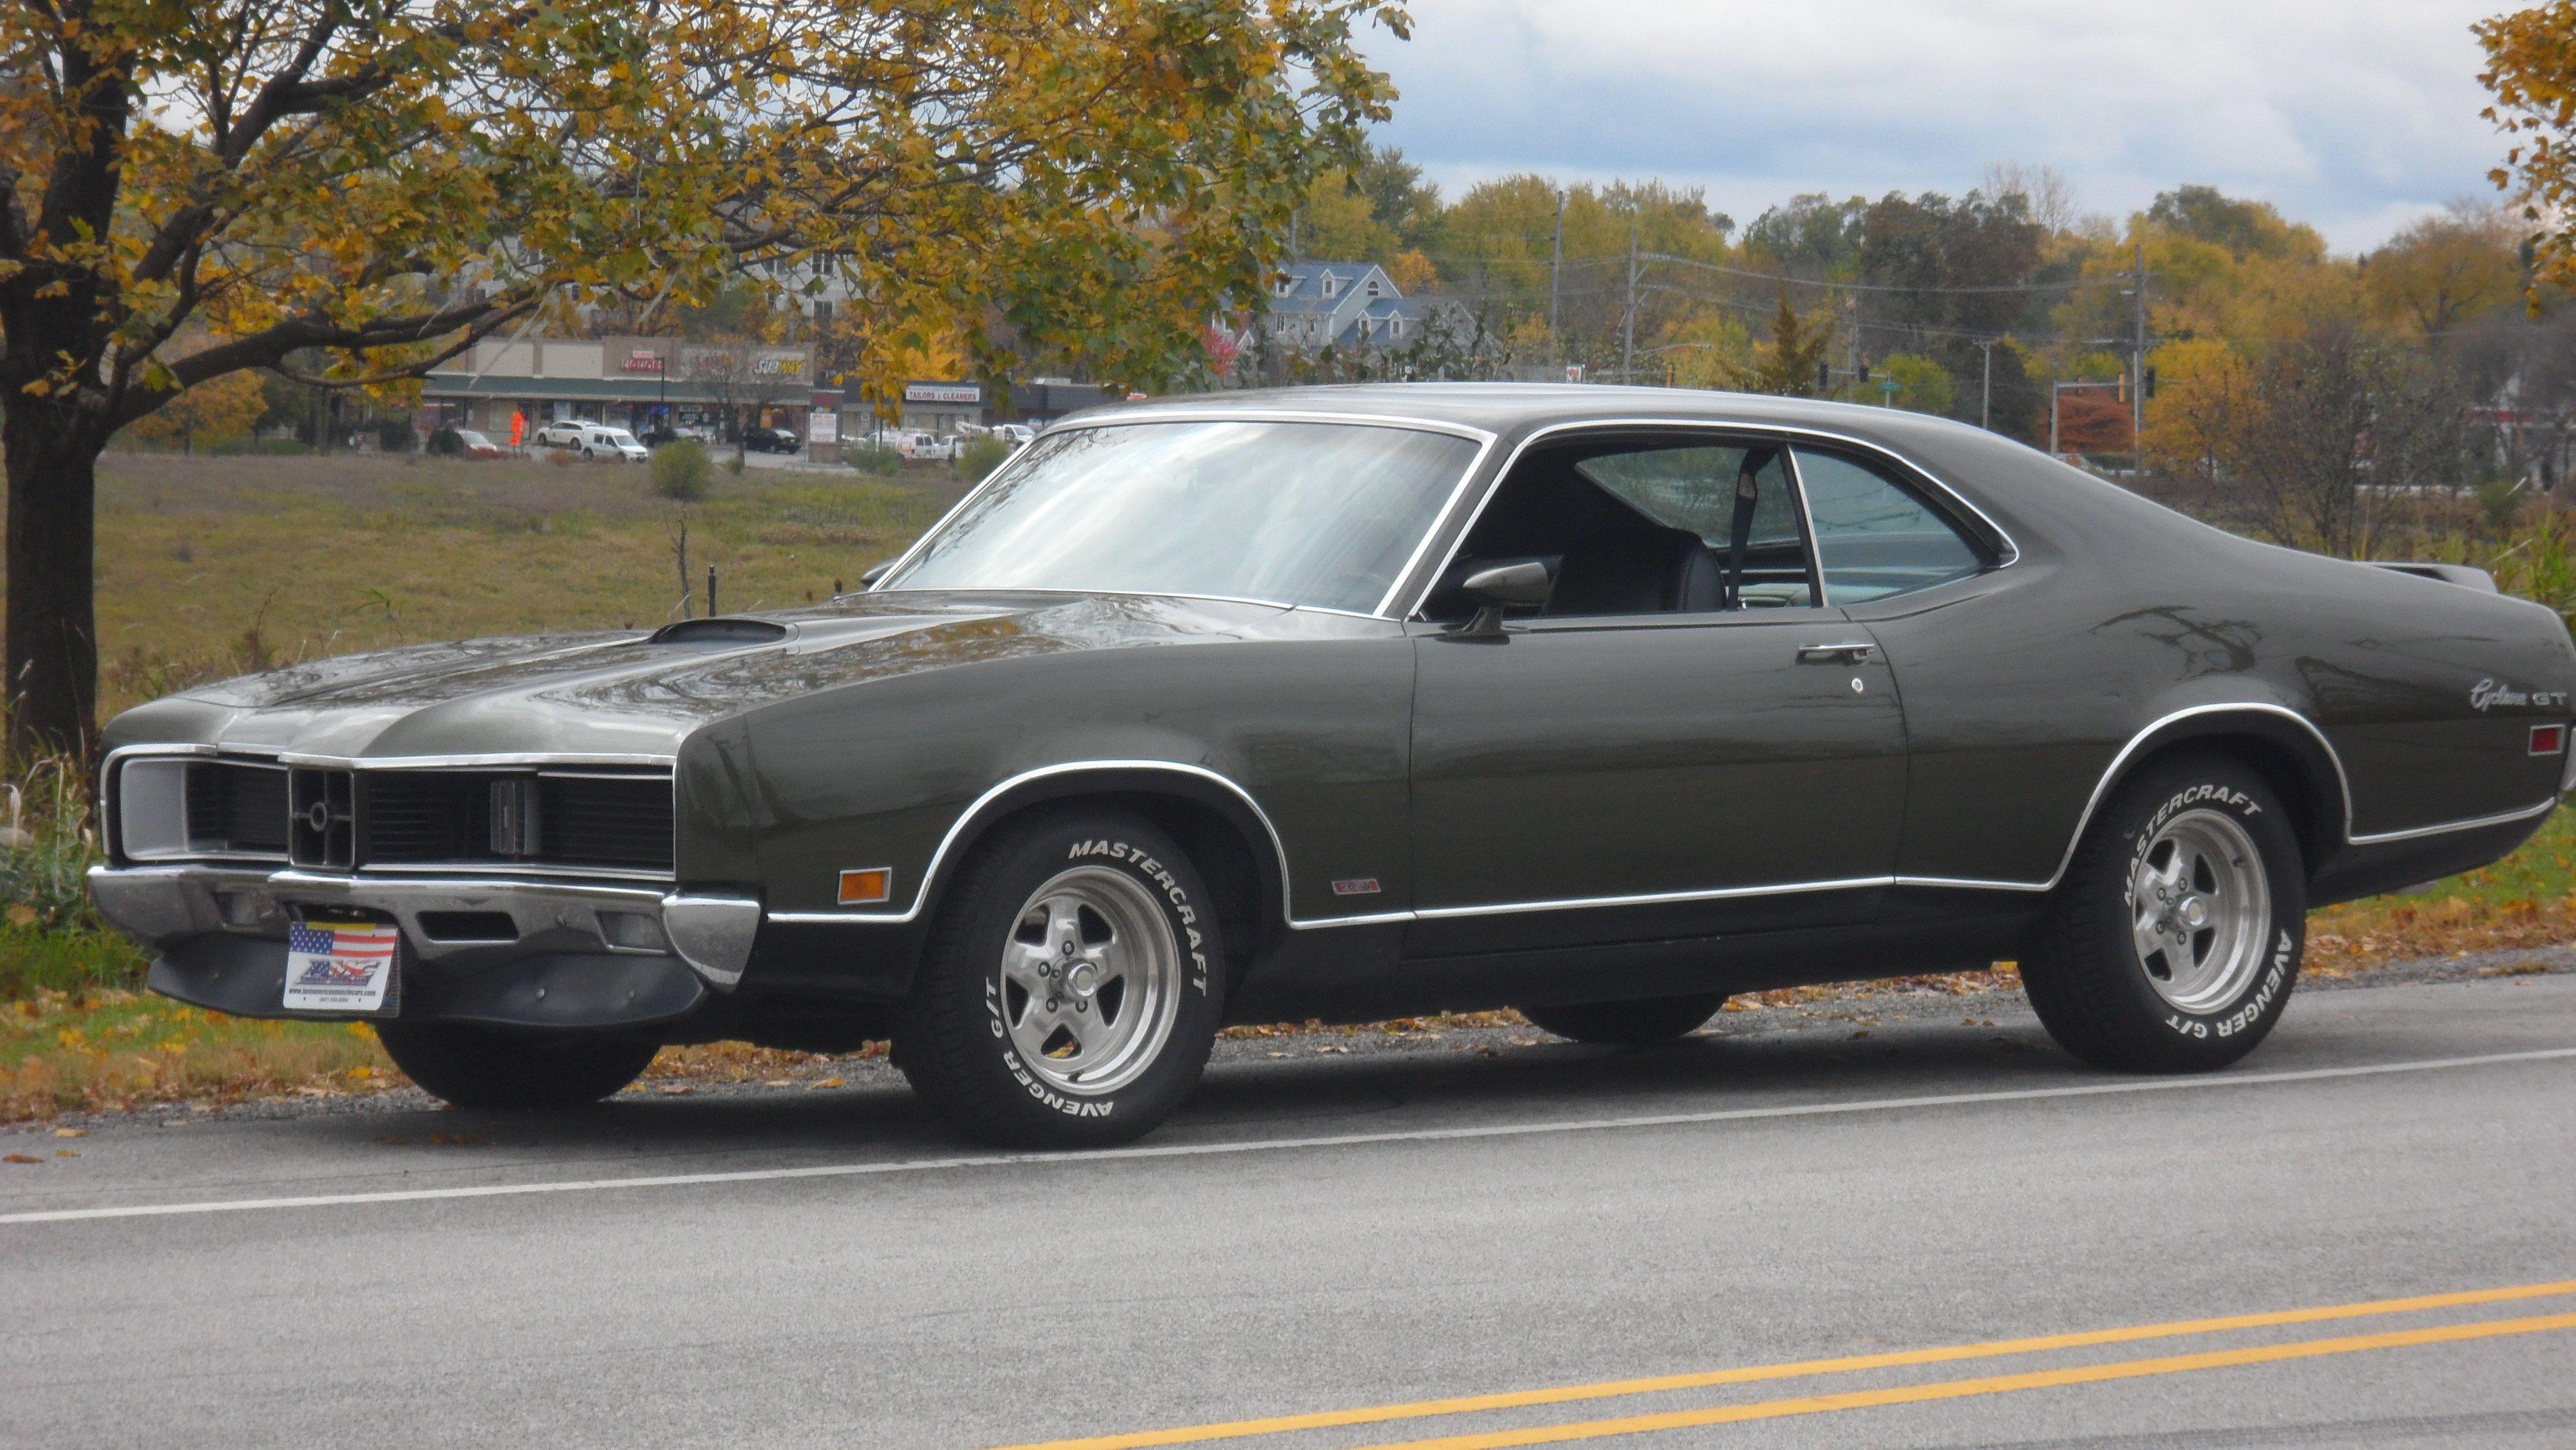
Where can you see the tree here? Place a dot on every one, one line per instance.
(2531, 71)
(1922, 383)
(389, 182)
(2322, 436)
(218, 410)
(1787, 363)
(2443, 271)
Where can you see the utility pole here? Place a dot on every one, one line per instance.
(1628, 341)
(1986, 404)
(2138, 370)
(1851, 312)
(1555, 265)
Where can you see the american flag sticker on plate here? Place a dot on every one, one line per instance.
(339, 966)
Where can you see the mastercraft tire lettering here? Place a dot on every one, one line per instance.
(2175, 937)
(1069, 992)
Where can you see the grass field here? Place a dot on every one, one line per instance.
(211, 566)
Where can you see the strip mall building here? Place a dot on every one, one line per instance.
(631, 382)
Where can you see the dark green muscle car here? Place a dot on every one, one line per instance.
(1348, 703)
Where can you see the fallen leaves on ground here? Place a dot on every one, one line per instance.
(108, 1050)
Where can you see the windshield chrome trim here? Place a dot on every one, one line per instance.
(1278, 604)
(1482, 438)
(2009, 553)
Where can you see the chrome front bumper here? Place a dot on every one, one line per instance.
(156, 904)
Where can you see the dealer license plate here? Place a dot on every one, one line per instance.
(340, 966)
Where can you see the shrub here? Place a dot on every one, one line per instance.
(446, 443)
(682, 470)
(46, 848)
(875, 460)
(981, 456)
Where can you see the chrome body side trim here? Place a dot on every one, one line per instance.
(2010, 551)
(2505, 818)
(1657, 898)
(1483, 440)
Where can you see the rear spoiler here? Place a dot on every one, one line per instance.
(2460, 574)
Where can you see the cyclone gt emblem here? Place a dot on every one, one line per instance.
(2488, 693)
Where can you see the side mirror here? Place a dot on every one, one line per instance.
(1496, 589)
(875, 572)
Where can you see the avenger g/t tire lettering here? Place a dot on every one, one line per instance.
(2175, 936)
(1069, 990)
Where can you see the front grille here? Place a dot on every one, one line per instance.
(235, 809)
(338, 820)
(601, 821)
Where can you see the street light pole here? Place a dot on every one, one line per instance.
(1556, 265)
(1628, 340)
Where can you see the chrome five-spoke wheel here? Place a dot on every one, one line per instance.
(1090, 980)
(2199, 910)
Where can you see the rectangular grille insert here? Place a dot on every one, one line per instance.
(236, 810)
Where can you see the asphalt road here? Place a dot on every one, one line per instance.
(1327, 1232)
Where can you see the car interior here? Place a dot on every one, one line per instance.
(1631, 527)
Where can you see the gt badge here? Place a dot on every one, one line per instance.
(1356, 886)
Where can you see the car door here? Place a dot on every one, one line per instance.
(1603, 772)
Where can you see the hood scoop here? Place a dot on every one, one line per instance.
(719, 631)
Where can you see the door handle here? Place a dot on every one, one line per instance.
(1850, 651)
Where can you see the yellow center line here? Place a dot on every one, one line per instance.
(1703, 1379)
(1992, 1385)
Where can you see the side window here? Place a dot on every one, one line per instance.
(1694, 489)
(1874, 538)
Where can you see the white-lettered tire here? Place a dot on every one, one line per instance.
(2174, 939)
(1069, 990)
(1628, 1024)
(510, 1070)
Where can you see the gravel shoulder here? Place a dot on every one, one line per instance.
(1853, 1010)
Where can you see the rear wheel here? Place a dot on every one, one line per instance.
(503, 1070)
(2175, 937)
(1068, 993)
(1628, 1024)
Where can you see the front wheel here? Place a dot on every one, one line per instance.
(1069, 990)
(505, 1070)
(1628, 1024)
(2175, 936)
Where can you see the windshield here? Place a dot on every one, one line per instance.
(1315, 514)
(618, 435)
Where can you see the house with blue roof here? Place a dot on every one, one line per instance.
(1346, 306)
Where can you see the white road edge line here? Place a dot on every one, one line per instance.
(1276, 1145)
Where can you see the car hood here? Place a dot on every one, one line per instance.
(630, 695)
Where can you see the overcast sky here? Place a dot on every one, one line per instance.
(2353, 115)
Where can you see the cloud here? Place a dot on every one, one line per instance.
(2353, 115)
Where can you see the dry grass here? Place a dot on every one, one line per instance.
(111, 1050)
(212, 566)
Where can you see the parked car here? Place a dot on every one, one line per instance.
(602, 444)
(1356, 703)
(566, 433)
(771, 440)
(467, 443)
(668, 433)
(1014, 434)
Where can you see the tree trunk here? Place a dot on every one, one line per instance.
(52, 632)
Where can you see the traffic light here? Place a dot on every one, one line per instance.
(2124, 387)
(2151, 385)
(1824, 379)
